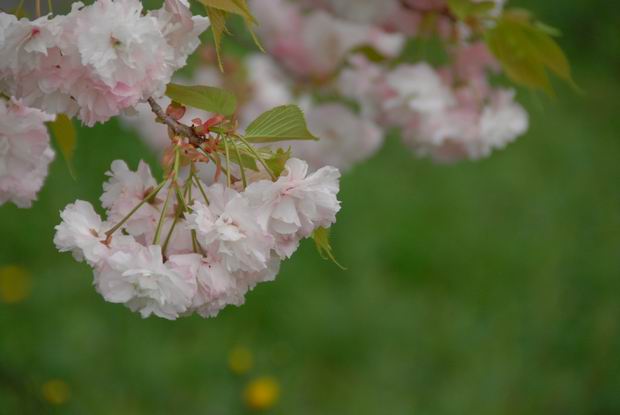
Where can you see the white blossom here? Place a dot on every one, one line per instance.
(25, 152)
(296, 204)
(126, 189)
(229, 230)
(82, 232)
(139, 279)
(419, 87)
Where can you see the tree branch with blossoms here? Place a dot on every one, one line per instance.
(245, 183)
(200, 238)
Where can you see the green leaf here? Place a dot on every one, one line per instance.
(65, 135)
(250, 27)
(217, 9)
(467, 8)
(372, 54)
(217, 18)
(239, 7)
(527, 51)
(247, 13)
(321, 240)
(518, 66)
(282, 123)
(277, 160)
(550, 30)
(547, 51)
(206, 98)
(247, 160)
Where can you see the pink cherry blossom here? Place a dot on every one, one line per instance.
(99, 59)
(25, 152)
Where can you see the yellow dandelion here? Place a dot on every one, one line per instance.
(240, 360)
(56, 391)
(15, 284)
(262, 393)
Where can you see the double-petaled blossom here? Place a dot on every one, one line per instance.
(296, 204)
(202, 253)
(228, 229)
(478, 119)
(25, 152)
(99, 59)
(141, 280)
(126, 189)
(451, 113)
(82, 232)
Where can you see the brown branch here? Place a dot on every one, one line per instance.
(176, 127)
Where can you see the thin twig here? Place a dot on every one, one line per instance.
(162, 216)
(258, 156)
(245, 182)
(146, 199)
(202, 191)
(177, 127)
(228, 182)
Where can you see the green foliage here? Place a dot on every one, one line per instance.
(206, 98)
(321, 240)
(65, 135)
(218, 27)
(239, 7)
(277, 160)
(244, 159)
(527, 51)
(218, 11)
(281, 123)
(371, 53)
(468, 8)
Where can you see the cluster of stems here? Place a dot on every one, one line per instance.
(218, 145)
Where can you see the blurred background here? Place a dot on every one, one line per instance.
(489, 287)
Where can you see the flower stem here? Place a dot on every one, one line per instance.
(228, 182)
(174, 224)
(202, 191)
(258, 156)
(173, 183)
(243, 178)
(138, 206)
(162, 216)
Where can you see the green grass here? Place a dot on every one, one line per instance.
(486, 288)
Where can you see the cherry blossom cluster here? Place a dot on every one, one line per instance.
(182, 246)
(25, 152)
(98, 60)
(449, 112)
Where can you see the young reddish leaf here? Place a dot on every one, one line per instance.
(175, 110)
